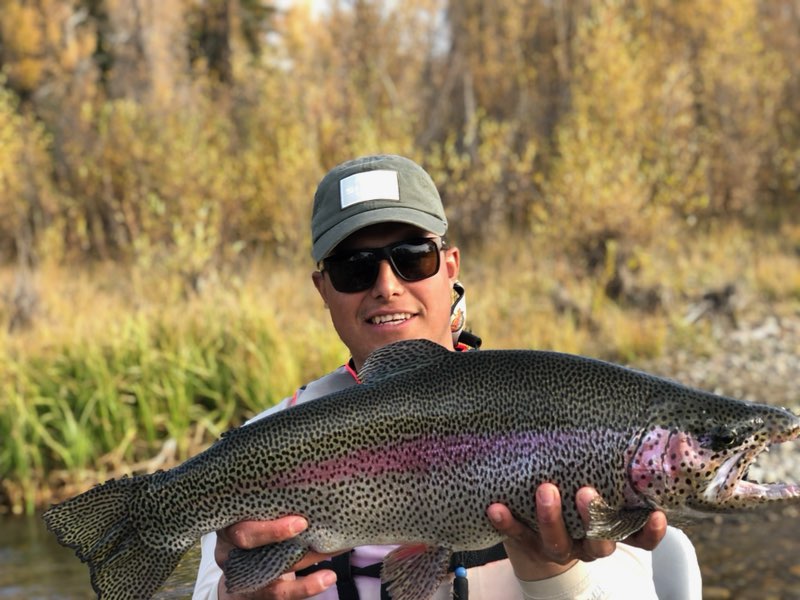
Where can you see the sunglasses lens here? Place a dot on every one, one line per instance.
(414, 261)
(353, 273)
(357, 271)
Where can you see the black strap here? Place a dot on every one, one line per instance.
(345, 584)
(345, 573)
(470, 339)
(477, 558)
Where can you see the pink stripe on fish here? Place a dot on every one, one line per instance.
(422, 455)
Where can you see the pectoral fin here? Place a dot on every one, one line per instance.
(415, 571)
(250, 570)
(607, 523)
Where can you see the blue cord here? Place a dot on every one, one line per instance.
(460, 584)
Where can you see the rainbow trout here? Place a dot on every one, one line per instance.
(416, 454)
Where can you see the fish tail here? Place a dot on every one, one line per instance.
(100, 526)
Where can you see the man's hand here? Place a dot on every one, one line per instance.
(551, 551)
(251, 534)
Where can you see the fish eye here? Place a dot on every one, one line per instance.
(720, 437)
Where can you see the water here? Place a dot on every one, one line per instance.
(755, 557)
(34, 566)
(750, 557)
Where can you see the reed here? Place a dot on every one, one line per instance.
(99, 397)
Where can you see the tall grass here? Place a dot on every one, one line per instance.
(122, 371)
(97, 396)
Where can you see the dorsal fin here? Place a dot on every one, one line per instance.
(399, 357)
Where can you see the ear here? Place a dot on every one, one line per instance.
(452, 262)
(319, 282)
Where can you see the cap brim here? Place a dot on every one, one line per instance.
(331, 238)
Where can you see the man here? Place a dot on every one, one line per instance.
(386, 274)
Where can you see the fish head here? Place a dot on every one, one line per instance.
(693, 457)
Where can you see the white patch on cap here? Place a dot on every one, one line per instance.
(370, 185)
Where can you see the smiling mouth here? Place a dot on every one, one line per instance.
(393, 318)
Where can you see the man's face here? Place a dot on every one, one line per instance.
(392, 309)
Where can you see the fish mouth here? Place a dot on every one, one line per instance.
(731, 486)
(730, 477)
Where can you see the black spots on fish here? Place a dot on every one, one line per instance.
(400, 357)
(678, 469)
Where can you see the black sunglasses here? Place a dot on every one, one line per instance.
(356, 270)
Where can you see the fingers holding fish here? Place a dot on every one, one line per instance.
(533, 555)
(253, 534)
(649, 536)
(589, 549)
(551, 550)
(553, 537)
(287, 587)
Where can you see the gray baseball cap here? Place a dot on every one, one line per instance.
(373, 189)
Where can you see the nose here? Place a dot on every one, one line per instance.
(387, 284)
